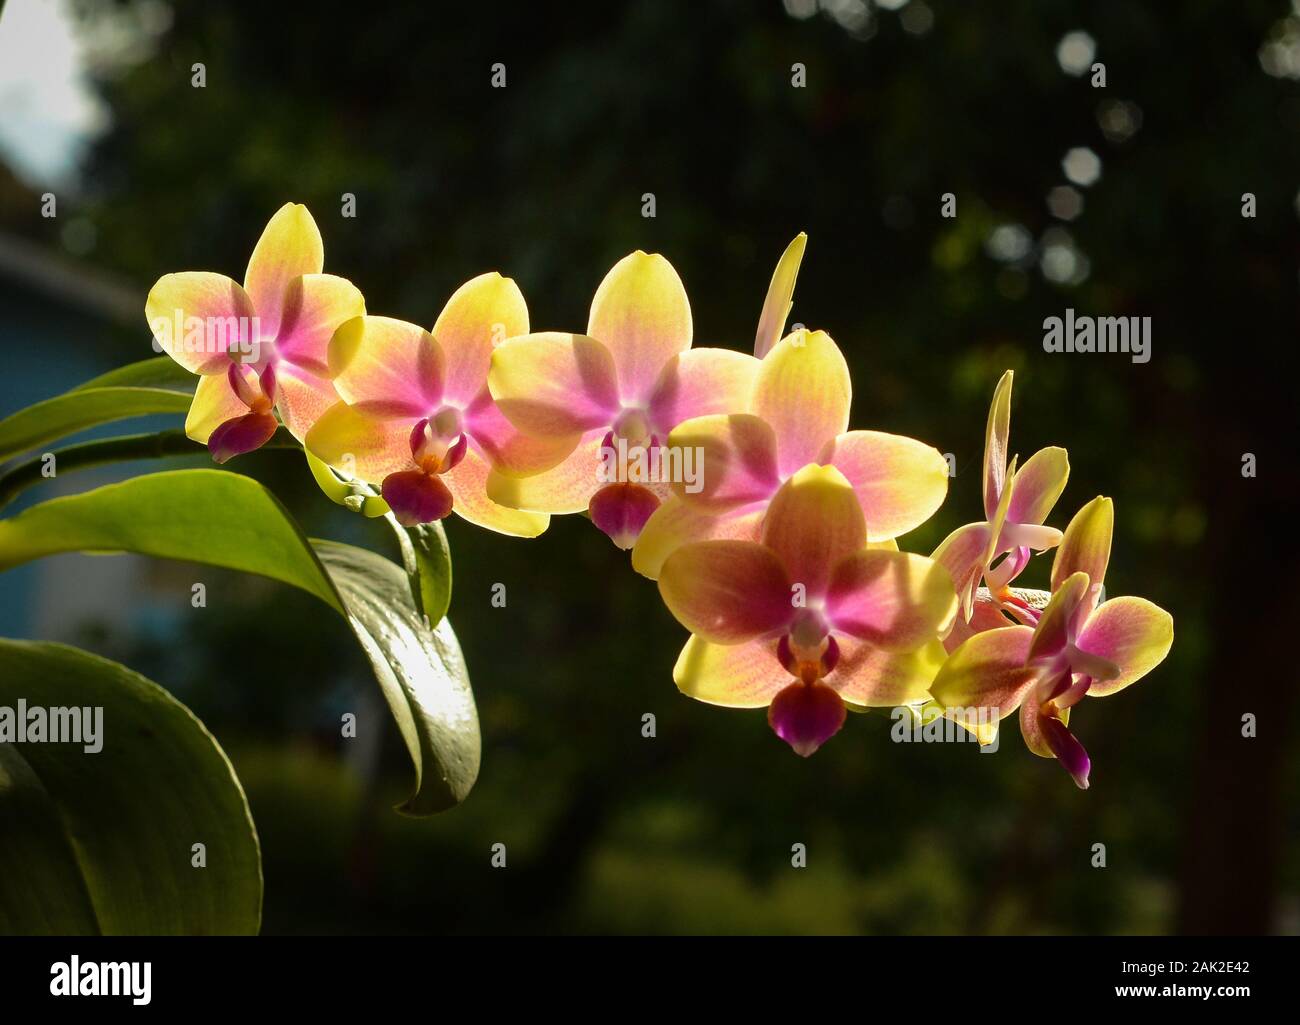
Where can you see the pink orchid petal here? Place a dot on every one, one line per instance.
(467, 482)
(1053, 631)
(737, 460)
(1132, 633)
(554, 384)
(315, 305)
(390, 368)
(1069, 752)
(701, 382)
(962, 553)
(1038, 485)
(302, 398)
(987, 671)
(566, 487)
(621, 511)
(805, 716)
(676, 523)
(727, 591)
(813, 522)
(510, 450)
(896, 600)
(872, 677)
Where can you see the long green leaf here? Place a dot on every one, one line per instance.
(138, 389)
(225, 519)
(103, 842)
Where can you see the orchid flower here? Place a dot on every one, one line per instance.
(1078, 648)
(620, 388)
(416, 415)
(261, 347)
(808, 618)
(800, 415)
(1015, 505)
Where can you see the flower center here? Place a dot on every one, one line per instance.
(439, 443)
(632, 426)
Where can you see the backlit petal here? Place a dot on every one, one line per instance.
(360, 445)
(197, 317)
(642, 316)
(803, 390)
(621, 510)
(417, 497)
(242, 434)
(554, 384)
(314, 308)
(814, 521)
(963, 553)
(1038, 485)
(1131, 632)
(871, 677)
(701, 382)
(564, 488)
(896, 600)
(389, 368)
(996, 432)
(1054, 626)
(780, 295)
(510, 450)
(732, 675)
(302, 398)
(677, 522)
(290, 245)
(726, 591)
(806, 715)
(1086, 545)
(988, 671)
(214, 403)
(482, 313)
(467, 482)
(736, 458)
(900, 481)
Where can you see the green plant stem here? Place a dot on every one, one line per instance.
(159, 445)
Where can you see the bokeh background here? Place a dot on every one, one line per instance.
(1122, 200)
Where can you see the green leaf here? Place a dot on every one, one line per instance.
(102, 842)
(139, 389)
(427, 558)
(225, 519)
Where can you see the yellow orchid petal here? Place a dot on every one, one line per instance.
(996, 432)
(737, 459)
(1086, 544)
(701, 382)
(1053, 629)
(202, 320)
(780, 295)
(900, 482)
(360, 445)
(803, 390)
(987, 671)
(214, 403)
(290, 245)
(481, 314)
(467, 482)
(564, 488)
(732, 675)
(301, 398)
(641, 314)
(677, 522)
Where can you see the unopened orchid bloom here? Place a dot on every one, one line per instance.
(1015, 505)
(416, 416)
(260, 347)
(780, 297)
(613, 394)
(807, 618)
(1078, 648)
(800, 415)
